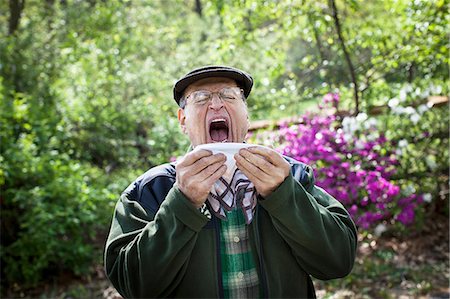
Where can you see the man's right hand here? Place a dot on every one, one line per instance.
(197, 172)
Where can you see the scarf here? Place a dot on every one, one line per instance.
(232, 190)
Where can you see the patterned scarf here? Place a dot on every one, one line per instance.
(231, 191)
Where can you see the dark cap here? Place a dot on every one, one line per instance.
(244, 80)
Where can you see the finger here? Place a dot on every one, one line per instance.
(216, 175)
(194, 156)
(273, 156)
(205, 162)
(252, 169)
(248, 172)
(200, 164)
(258, 160)
(210, 170)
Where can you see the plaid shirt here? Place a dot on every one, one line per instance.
(239, 275)
(231, 190)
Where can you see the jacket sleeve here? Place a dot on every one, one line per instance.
(147, 252)
(316, 226)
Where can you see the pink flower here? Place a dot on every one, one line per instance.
(358, 176)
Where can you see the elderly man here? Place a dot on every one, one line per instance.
(166, 241)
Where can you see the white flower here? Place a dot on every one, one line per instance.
(431, 162)
(409, 110)
(403, 143)
(359, 144)
(349, 124)
(436, 89)
(427, 197)
(370, 123)
(422, 108)
(425, 93)
(408, 88)
(373, 136)
(380, 229)
(398, 152)
(393, 102)
(398, 110)
(348, 137)
(409, 190)
(415, 118)
(402, 95)
(361, 117)
(347, 120)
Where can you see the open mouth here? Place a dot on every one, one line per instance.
(219, 130)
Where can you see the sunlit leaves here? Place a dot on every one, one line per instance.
(86, 92)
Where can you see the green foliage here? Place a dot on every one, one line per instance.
(58, 219)
(52, 206)
(86, 101)
(421, 141)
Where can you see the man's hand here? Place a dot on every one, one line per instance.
(197, 172)
(265, 168)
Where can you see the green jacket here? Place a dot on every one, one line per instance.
(160, 245)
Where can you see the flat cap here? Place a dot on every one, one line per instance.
(243, 79)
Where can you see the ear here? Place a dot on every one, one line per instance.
(182, 120)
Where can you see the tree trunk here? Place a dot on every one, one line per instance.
(332, 4)
(198, 8)
(15, 10)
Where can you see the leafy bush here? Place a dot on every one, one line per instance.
(420, 132)
(58, 221)
(361, 162)
(85, 104)
(53, 207)
(52, 210)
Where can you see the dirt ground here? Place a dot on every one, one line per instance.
(411, 266)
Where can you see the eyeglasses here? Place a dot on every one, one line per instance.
(202, 97)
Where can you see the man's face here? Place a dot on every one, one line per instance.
(216, 120)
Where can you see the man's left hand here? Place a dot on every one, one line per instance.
(264, 167)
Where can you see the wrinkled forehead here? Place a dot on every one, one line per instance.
(210, 84)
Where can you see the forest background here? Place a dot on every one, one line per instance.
(358, 89)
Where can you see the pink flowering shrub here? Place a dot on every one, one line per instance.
(352, 161)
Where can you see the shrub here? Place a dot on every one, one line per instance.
(52, 222)
(356, 160)
(52, 207)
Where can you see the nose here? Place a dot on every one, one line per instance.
(216, 103)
